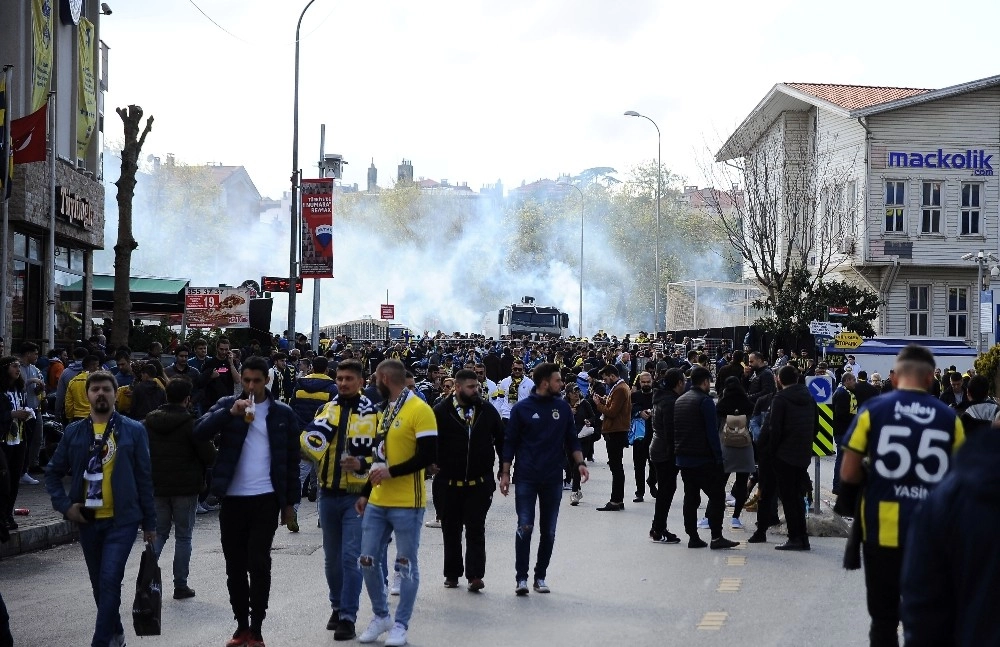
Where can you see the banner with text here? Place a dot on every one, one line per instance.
(86, 119)
(217, 307)
(317, 229)
(41, 41)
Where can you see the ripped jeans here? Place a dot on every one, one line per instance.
(377, 526)
(548, 496)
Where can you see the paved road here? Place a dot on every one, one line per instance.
(610, 585)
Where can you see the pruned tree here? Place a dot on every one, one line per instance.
(791, 202)
(131, 117)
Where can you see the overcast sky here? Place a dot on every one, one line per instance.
(477, 91)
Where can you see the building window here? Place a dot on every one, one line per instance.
(895, 195)
(971, 192)
(919, 309)
(930, 206)
(958, 312)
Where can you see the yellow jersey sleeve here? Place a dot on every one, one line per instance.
(424, 422)
(959, 435)
(857, 439)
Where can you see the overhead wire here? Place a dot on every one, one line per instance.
(243, 40)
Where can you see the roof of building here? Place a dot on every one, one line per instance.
(855, 97)
(851, 101)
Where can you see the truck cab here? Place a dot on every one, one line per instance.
(525, 319)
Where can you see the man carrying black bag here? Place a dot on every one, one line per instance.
(106, 456)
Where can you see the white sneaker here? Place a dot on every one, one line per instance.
(376, 628)
(703, 523)
(730, 500)
(433, 523)
(27, 480)
(737, 524)
(576, 497)
(397, 636)
(117, 641)
(540, 586)
(397, 581)
(521, 588)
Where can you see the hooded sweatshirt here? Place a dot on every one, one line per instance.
(951, 564)
(790, 426)
(179, 461)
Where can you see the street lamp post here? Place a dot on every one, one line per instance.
(982, 260)
(293, 247)
(580, 191)
(656, 247)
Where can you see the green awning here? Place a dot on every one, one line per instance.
(148, 295)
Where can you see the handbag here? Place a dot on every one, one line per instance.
(637, 431)
(586, 432)
(734, 432)
(148, 595)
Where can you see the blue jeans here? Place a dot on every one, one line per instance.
(106, 548)
(548, 495)
(341, 549)
(377, 525)
(179, 512)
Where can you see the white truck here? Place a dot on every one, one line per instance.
(525, 319)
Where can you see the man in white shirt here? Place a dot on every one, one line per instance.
(511, 390)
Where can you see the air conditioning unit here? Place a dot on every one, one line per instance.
(846, 245)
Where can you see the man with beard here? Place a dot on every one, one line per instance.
(111, 496)
(470, 434)
(642, 408)
(219, 375)
(180, 367)
(511, 390)
(339, 441)
(540, 431)
(617, 410)
(486, 385)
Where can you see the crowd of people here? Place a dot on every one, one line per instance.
(360, 427)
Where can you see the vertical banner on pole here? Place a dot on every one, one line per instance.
(41, 42)
(317, 229)
(86, 118)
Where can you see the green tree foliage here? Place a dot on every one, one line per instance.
(988, 365)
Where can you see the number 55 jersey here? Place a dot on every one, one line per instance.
(908, 438)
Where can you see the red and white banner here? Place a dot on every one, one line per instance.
(317, 229)
(218, 307)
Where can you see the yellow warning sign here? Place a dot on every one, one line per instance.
(847, 339)
(823, 444)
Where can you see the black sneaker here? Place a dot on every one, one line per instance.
(758, 537)
(345, 630)
(720, 543)
(183, 592)
(696, 542)
(334, 620)
(663, 538)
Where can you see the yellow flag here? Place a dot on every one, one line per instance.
(41, 38)
(87, 117)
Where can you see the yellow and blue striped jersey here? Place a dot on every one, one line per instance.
(909, 438)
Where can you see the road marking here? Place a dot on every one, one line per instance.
(713, 620)
(736, 561)
(730, 585)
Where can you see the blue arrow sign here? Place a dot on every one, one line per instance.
(821, 389)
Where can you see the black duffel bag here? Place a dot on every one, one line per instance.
(148, 595)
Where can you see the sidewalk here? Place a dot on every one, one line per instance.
(42, 528)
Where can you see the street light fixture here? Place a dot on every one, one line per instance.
(293, 247)
(580, 328)
(982, 260)
(656, 247)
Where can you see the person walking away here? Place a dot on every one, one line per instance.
(179, 463)
(339, 442)
(106, 456)
(616, 407)
(787, 438)
(34, 396)
(148, 394)
(583, 419)
(949, 566)
(845, 407)
(661, 450)
(394, 500)
(698, 451)
(256, 470)
(535, 442)
(14, 417)
(642, 409)
(982, 409)
(908, 437)
(734, 411)
(470, 438)
(863, 389)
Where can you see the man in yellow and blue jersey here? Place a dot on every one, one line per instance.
(901, 446)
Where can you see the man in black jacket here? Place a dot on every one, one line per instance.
(787, 438)
(661, 450)
(470, 434)
(219, 375)
(761, 380)
(179, 464)
(845, 406)
(698, 451)
(257, 471)
(864, 390)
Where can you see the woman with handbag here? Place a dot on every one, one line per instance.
(734, 410)
(583, 416)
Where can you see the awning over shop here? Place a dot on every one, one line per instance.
(891, 346)
(150, 296)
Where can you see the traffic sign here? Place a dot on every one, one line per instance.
(847, 339)
(839, 311)
(821, 388)
(387, 311)
(279, 284)
(825, 328)
(823, 443)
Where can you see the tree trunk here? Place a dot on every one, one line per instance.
(131, 117)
